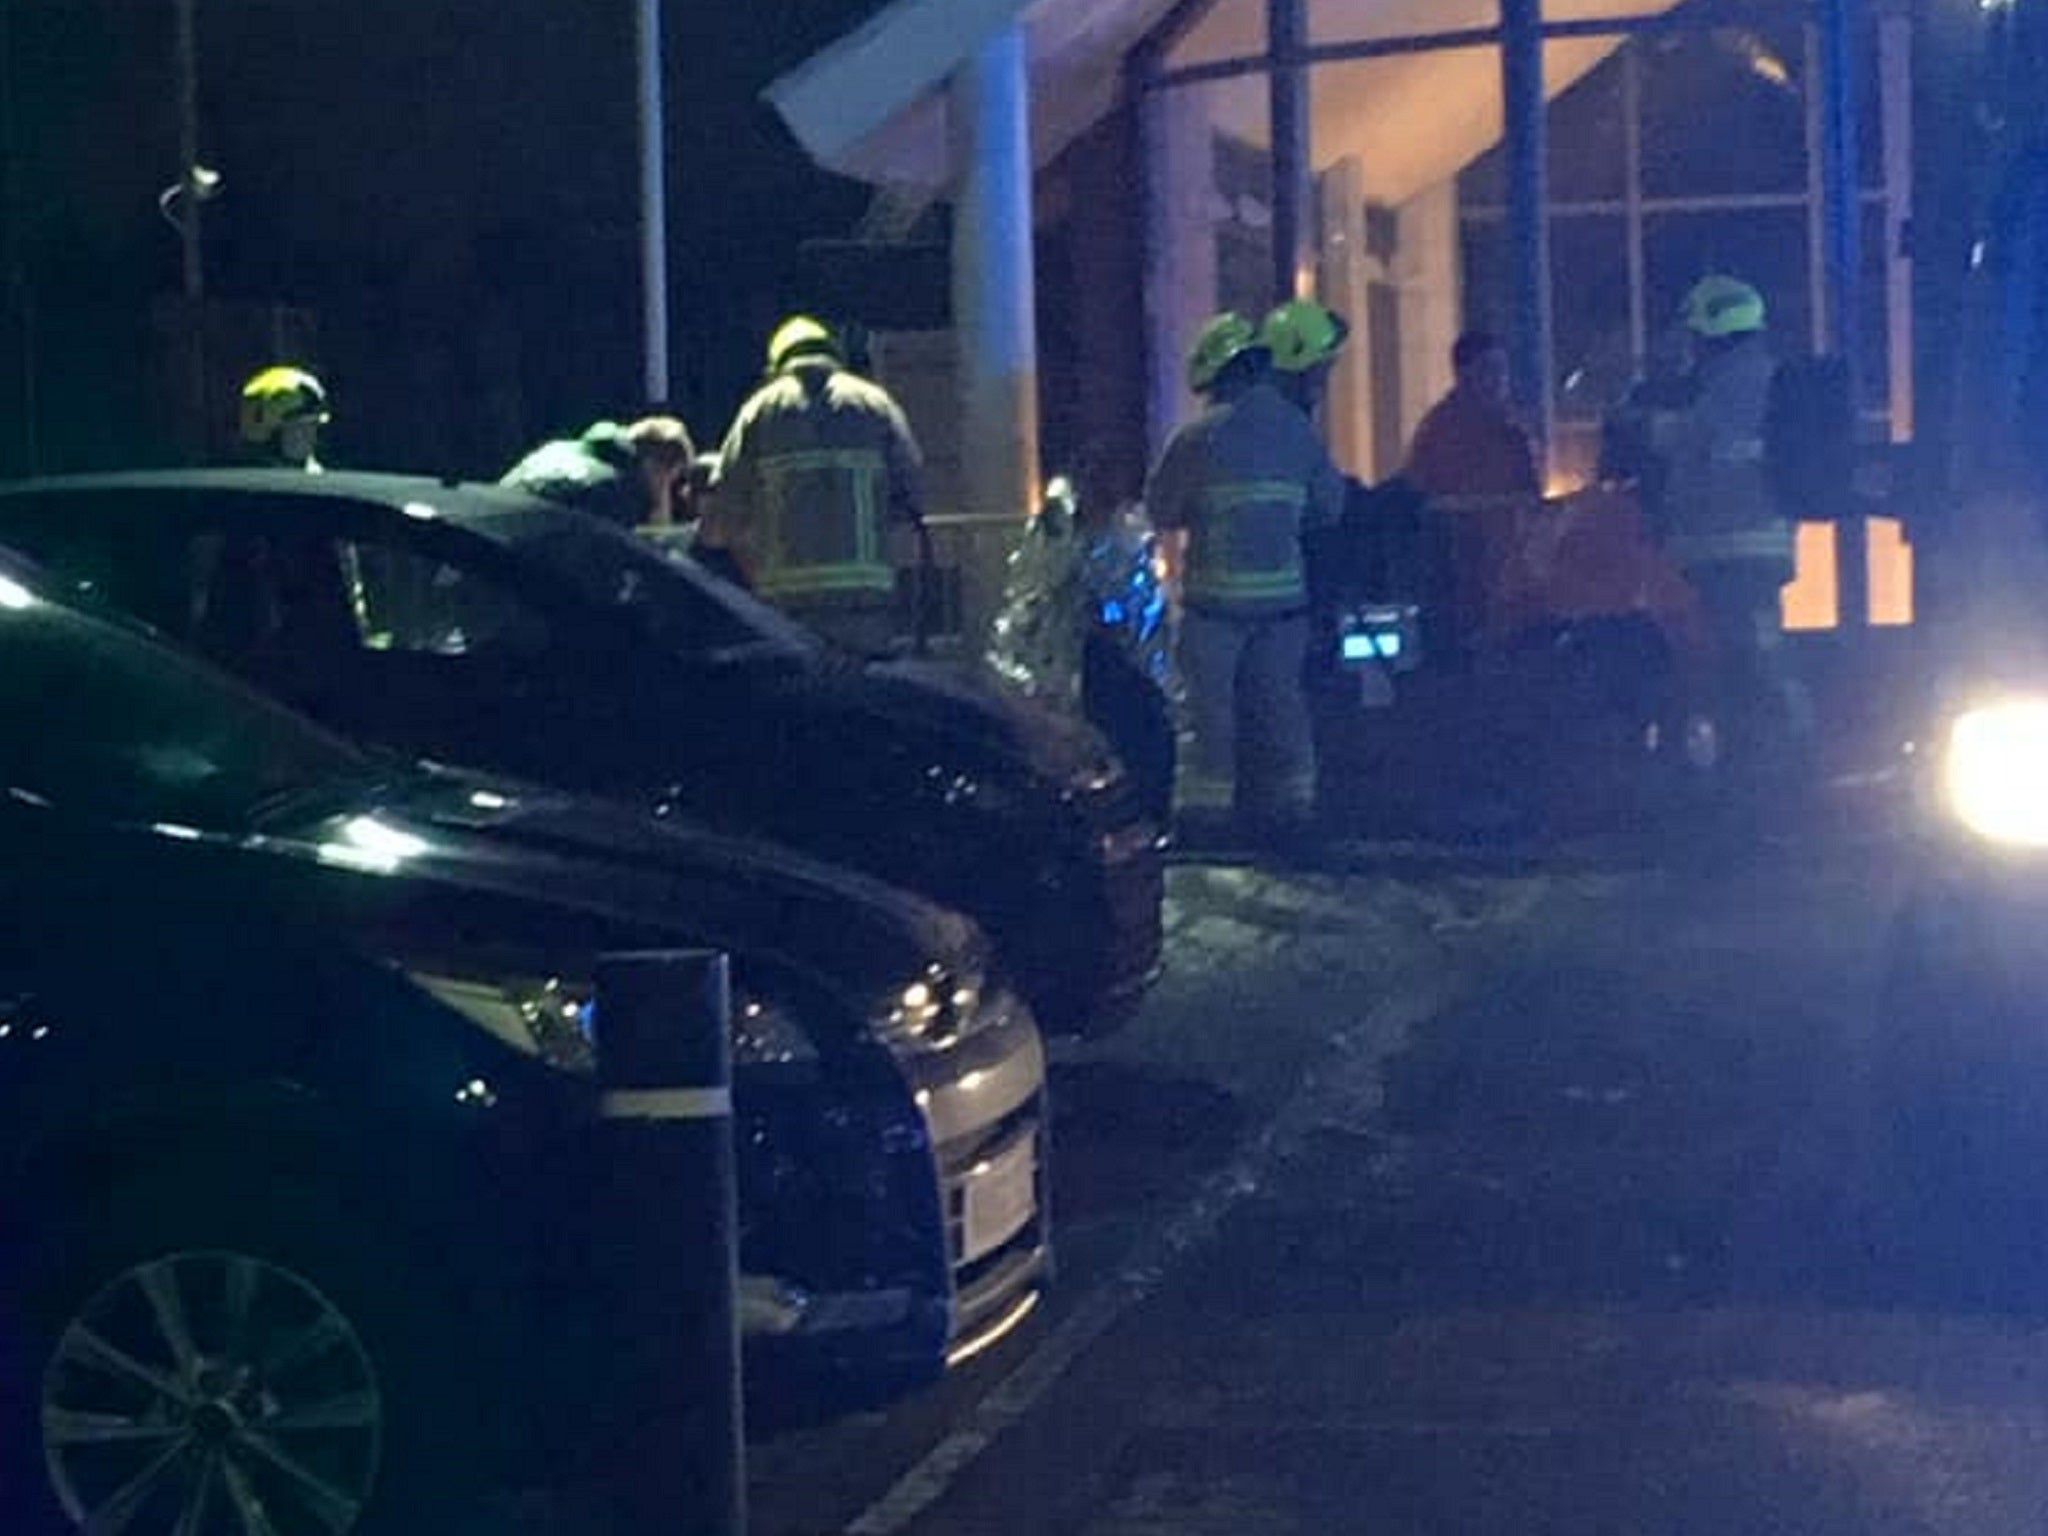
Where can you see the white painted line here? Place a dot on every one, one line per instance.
(666, 1104)
(1152, 1261)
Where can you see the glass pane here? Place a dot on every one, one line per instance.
(1811, 600)
(1724, 111)
(404, 600)
(1214, 187)
(1874, 312)
(1588, 154)
(1410, 122)
(1595, 354)
(1764, 246)
(1588, 133)
(1891, 572)
(1483, 247)
(1232, 29)
(1358, 21)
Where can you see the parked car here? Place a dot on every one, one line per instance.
(297, 1107)
(479, 627)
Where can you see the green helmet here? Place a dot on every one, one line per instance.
(1303, 334)
(801, 337)
(1225, 339)
(1720, 306)
(276, 397)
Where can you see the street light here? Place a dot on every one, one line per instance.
(179, 204)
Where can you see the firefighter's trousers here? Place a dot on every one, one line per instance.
(1253, 750)
(1748, 689)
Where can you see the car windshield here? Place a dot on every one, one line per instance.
(663, 594)
(127, 729)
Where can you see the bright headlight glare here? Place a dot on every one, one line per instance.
(548, 1018)
(1997, 772)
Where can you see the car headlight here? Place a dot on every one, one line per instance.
(933, 1012)
(1996, 772)
(556, 1020)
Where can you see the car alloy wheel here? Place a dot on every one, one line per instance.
(211, 1394)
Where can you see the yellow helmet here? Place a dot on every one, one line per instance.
(277, 397)
(1225, 339)
(1723, 306)
(1302, 334)
(800, 337)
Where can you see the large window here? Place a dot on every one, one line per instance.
(1674, 151)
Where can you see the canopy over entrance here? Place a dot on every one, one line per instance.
(874, 105)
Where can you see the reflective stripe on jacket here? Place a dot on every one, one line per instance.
(1718, 502)
(1245, 480)
(1244, 545)
(815, 466)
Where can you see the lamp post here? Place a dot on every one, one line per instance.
(653, 200)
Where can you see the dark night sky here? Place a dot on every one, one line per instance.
(438, 157)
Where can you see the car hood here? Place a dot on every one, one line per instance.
(941, 709)
(653, 879)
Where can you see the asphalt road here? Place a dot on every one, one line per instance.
(1436, 1201)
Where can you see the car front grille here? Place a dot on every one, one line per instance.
(989, 1276)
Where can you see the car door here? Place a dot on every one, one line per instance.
(450, 652)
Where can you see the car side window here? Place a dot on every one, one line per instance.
(403, 599)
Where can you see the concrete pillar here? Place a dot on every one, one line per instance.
(653, 203)
(1180, 251)
(1529, 344)
(994, 286)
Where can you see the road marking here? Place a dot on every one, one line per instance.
(1151, 1262)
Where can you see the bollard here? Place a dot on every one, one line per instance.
(675, 1460)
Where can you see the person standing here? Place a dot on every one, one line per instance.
(819, 470)
(1725, 531)
(633, 476)
(283, 410)
(1232, 495)
(1470, 443)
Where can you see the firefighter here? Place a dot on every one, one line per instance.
(283, 410)
(1303, 338)
(1724, 530)
(1232, 496)
(633, 476)
(819, 470)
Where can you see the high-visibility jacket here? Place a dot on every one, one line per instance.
(1719, 505)
(1246, 480)
(817, 464)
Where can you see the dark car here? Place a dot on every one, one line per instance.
(1961, 1059)
(478, 627)
(297, 1104)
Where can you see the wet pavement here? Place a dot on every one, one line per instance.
(1519, 1201)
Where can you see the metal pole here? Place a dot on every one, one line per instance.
(188, 149)
(190, 219)
(1842, 243)
(17, 300)
(1531, 346)
(653, 200)
(1293, 172)
(672, 1452)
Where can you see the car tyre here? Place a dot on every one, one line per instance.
(190, 1368)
